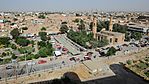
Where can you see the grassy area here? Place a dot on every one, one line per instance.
(27, 49)
(140, 67)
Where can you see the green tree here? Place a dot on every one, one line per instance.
(5, 41)
(81, 25)
(142, 65)
(4, 54)
(127, 36)
(91, 26)
(15, 33)
(43, 36)
(13, 46)
(136, 35)
(41, 16)
(147, 74)
(120, 28)
(64, 23)
(43, 29)
(22, 58)
(43, 52)
(76, 20)
(24, 28)
(103, 43)
(22, 50)
(41, 44)
(36, 56)
(14, 56)
(129, 62)
(111, 51)
(22, 41)
(64, 28)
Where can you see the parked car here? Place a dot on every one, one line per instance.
(42, 61)
(31, 63)
(74, 59)
(87, 58)
(9, 67)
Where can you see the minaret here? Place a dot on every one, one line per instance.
(94, 30)
(111, 24)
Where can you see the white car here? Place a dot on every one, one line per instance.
(31, 63)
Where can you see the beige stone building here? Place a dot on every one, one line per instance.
(112, 37)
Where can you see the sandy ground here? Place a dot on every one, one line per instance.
(48, 75)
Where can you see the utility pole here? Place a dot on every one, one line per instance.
(5, 74)
(15, 73)
(26, 65)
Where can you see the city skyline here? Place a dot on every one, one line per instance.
(77, 5)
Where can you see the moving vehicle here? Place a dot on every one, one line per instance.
(42, 61)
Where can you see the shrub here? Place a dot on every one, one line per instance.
(24, 28)
(36, 56)
(13, 46)
(29, 57)
(22, 58)
(129, 62)
(22, 41)
(146, 73)
(14, 56)
(15, 33)
(41, 17)
(5, 41)
(142, 65)
(111, 51)
(7, 60)
(43, 29)
(43, 36)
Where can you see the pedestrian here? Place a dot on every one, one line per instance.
(63, 62)
(95, 56)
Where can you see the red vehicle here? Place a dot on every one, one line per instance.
(87, 58)
(42, 61)
(74, 59)
(65, 49)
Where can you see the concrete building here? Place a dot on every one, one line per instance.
(2, 25)
(139, 28)
(112, 37)
(94, 26)
(111, 24)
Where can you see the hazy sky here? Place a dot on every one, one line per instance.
(60, 5)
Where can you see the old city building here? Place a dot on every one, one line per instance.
(112, 37)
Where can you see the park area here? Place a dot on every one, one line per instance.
(140, 67)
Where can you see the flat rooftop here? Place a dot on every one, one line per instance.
(107, 33)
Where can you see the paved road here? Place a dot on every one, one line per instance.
(50, 65)
(67, 44)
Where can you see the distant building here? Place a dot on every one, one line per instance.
(138, 28)
(112, 37)
(94, 27)
(1, 21)
(2, 25)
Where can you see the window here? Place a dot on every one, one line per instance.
(116, 39)
(94, 24)
(101, 38)
(110, 40)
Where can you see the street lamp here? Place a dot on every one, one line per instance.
(26, 65)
